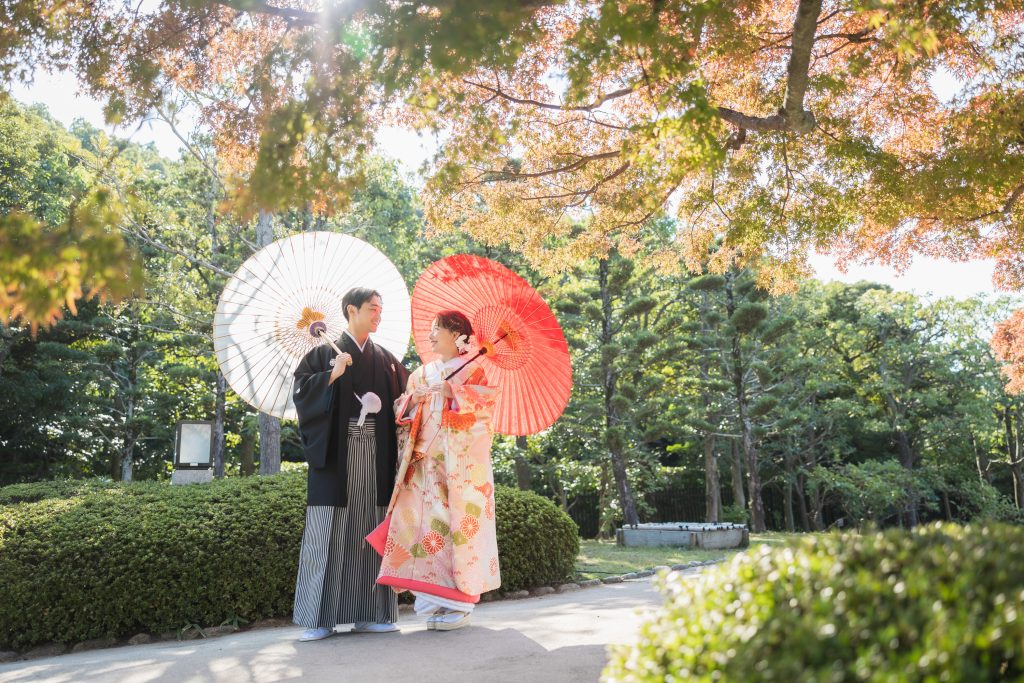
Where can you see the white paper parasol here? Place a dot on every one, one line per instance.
(286, 294)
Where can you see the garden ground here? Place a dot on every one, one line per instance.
(598, 559)
(560, 637)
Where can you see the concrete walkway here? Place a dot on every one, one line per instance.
(558, 638)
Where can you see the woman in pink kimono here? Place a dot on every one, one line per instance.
(442, 543)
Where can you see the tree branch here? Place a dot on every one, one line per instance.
(1007, 207)
(574, 166)
(792, 117)
(1017, 193)
(166, 118)
(141, 234)
(804, 28)
(581, 195)
(498, 92)
(296, 17)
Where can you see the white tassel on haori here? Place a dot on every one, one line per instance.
(371, 404)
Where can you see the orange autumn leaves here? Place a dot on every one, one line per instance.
(570, 128)
(1008, 344)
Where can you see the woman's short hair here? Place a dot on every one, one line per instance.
(357, 296)
(455, 322)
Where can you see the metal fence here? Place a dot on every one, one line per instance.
(681, 504)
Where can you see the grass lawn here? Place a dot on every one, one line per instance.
(599, 559)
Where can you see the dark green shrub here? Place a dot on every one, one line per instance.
(942, 603)
(735, 514)
(56, 488)
(537, 542)
(112, 560)
(148, 557)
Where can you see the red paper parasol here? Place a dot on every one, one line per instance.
(529, 362)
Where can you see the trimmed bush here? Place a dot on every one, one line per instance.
(55, 488)
(112, 560)
(148, 557)
(942, 603)
(537, 543)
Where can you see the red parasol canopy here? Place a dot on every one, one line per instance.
(530, 359)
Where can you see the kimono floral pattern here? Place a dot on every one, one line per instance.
(442, 534)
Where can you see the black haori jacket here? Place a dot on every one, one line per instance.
(324, 410)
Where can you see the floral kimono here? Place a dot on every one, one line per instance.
(442, 543)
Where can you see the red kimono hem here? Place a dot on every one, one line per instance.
(430, 588)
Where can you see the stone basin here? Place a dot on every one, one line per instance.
(705, 535)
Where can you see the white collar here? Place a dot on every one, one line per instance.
(361, 346)
(442, 367)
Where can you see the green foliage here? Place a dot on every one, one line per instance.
(747, 316)
(707, 283)
(149, 557)
(735, 514)
(91, 559)
(937, 604)
(54, 488)
(537, 542)
(58, 237)
(875, 491)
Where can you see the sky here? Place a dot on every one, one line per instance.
(61, 94)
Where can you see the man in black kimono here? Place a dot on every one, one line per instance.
(352, 466)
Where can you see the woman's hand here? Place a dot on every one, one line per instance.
(442, 388)
(420, 394)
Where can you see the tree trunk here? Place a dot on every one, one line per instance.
(712, 483)
(1018, 477)
(129, 388)
(1013, 456)
(218, 425)
(787, 500)
(559, 489)
(246, 450)
(757, 524)
(126, 462)
(604, 529)
(524, 477)
(757, 517)
(907, 461)
(270, 444)
(983, 462)
(629, 515)
(115, 464)
(712, 477)
(896, 412)
(1018, 483)
(270, 426)
(818, 503)
(739, 496)
(220, 383)
(612, 422)
(801, 499)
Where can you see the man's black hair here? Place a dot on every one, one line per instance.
(357, 296)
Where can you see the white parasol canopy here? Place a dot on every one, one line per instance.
(286, 300)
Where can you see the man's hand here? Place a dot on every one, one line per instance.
(341, 363)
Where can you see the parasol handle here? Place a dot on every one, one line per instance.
(334, 346)
(479, 353)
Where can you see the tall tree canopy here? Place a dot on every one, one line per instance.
(776, 127)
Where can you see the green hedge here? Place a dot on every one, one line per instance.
(537, 543)
(942, 603)
(59, 488)
(92, 560)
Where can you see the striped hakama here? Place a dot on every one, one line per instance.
(337, 568)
